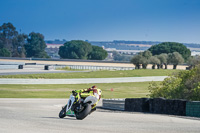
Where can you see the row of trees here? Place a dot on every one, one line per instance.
(14, 44)
(145, 58)
(77, 49)
(161, 55)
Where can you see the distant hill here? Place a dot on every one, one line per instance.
(122, 44)
(133, 45)
(125, 45)
(192, 45)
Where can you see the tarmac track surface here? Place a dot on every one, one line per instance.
(24, 71)
(41, 116)
(81, 81)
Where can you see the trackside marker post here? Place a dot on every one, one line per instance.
(112, 91)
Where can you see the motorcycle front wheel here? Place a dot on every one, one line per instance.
(62, 113)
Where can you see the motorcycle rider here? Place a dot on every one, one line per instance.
(82, 94)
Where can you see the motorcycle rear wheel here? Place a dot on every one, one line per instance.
(81, 115)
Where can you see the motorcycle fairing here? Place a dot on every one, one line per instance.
(92, 99)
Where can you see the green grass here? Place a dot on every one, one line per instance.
(97, 74)
(63, 68)
(121, 90)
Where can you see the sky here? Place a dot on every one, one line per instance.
(106, 20)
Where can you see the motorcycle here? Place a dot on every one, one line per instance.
(79, 109)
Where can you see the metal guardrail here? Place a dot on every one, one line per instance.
(84, 67)
(8, 67)
(78, 67)
(11, 63)
(116, 104)
(21, 66)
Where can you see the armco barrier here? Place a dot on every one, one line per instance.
(193, 109)
(85, 67)
(7, 67)
(117, 104)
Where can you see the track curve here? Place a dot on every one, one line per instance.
(41, 116)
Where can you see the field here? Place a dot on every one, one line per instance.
(121, 90)
(97, 74)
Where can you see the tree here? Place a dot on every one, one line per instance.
(163, 60)
(154, 61)
(175, 58)
(147, 54)
(120, 57)
(193, 61)
(141, 58)
(144, 61)
(116, 56)
(170, 47)
(4, 52)
(7, 33)
(11, 40)
(98, 53)
(181, 85)
(75, 49)
(1, 43)
(18, 45)
(36, 46)
(78, 49)
(136, 60)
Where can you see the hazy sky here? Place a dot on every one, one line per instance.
(106, 20)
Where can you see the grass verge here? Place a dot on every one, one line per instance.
(97, 74)
(121, 90)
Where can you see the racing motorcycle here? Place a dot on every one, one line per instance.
(79, 109)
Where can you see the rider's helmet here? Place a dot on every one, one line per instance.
(97, 92)
(94, 86)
